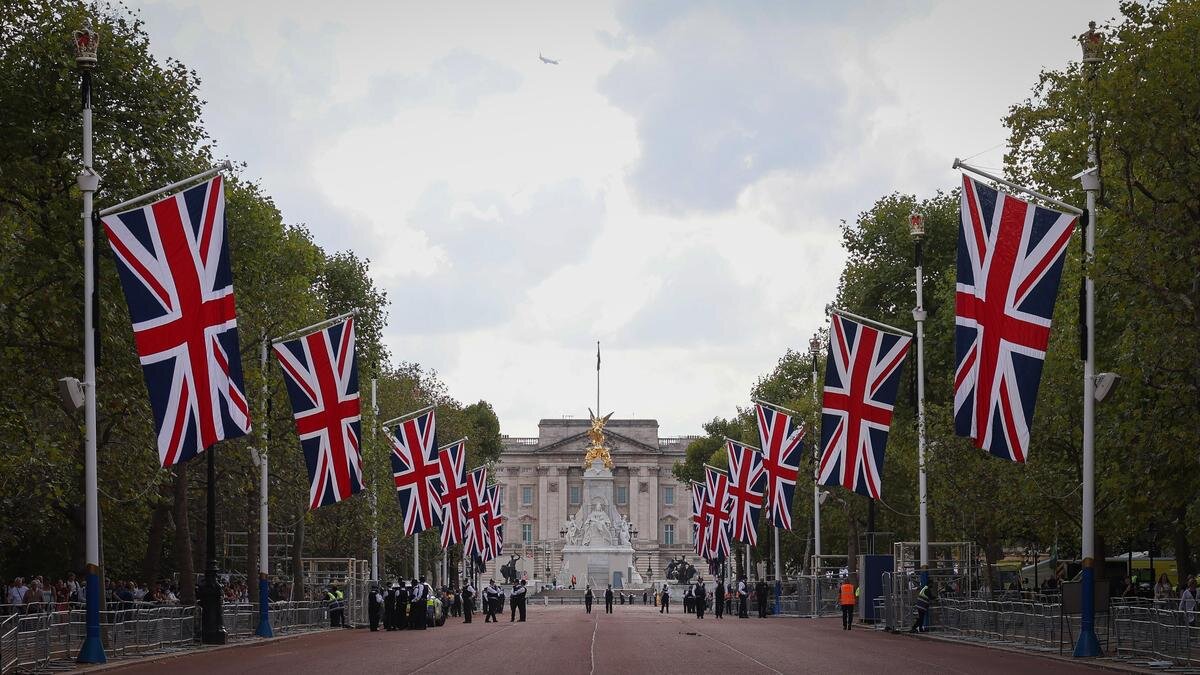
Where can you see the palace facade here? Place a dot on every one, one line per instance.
(541, 483)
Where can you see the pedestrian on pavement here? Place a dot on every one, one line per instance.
(608, 600)
(719, 598)
(468, 601)
(847, 597)
(374, 603)
(522, 594)
(698, 597)
(587, 598)
(743, 594)
(489, 600)
(687, 600)
(1163, 590)
(760, 596)
(416, 605)
(666, 600)
(645, 597)
(1189, 601)
(922, 605)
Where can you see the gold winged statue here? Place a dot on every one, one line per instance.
(598, 449)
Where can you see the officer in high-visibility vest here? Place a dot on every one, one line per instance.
(847, 598)
(922, 606)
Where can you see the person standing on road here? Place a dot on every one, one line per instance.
(719, 598)
(760, 596)
(521, 593)
(666, 600)
(608, 598)
(587, 598)
(374, 603)
(468, 601)
(698, 597)
(512, 602)
(847, 597)
(645, 597)
(743, 594)
(416, 605)
(922, 606)
(489, 601)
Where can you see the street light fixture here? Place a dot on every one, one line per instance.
(916, 228)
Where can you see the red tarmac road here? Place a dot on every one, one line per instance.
(567, 641)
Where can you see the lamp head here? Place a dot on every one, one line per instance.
(1105, 383)
(1092, 43)
(916, 225)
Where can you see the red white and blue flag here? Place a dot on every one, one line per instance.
(716, 513)
(416, 472)
(862, 377)
(699, 524)
(495, 538)
(1010, 260)
(477, 530)
(747, 480)
(321, 373)
(452, 470)
(173, 260)
(782, 450)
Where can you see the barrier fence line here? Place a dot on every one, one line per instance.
(42, 639)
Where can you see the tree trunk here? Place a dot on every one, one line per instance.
(298, 559)
(152, 562)
(1183, 549)
(183, 539)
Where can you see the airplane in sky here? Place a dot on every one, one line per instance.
(546, 60)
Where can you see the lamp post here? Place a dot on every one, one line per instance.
(814, 346)
(87, 45)
(212, 621)
(916, 227)
(1087, 645)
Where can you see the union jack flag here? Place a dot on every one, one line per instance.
(452, 470)
(173, 261)
(321, 372)
(781, 453)
(476, 532)
(862, 376)
(495, 538)
(416, 472)
(716, 513)
(747, 480)
(699, 526)
(1010, 259)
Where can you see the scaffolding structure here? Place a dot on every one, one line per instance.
(353, 576)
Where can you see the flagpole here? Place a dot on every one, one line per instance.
(916, 226)
(406, 416)
(869, 322)
(316, 326)
(1088, 645)
(223, 166)
(1019, 188)
(264, 568)
(598, 413)
(374, 504)
(417, 555)
(815, 344)
(92, 649)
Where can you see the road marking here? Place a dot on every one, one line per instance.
(595, 627)
(461, 647)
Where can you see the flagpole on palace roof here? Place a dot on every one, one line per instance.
(92, 649)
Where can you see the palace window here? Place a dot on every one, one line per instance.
(669, 496)
(573, 494)
(668, 533)
(622, 495)
(526, 533)
(526, 495)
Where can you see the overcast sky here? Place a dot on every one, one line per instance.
(673, 188)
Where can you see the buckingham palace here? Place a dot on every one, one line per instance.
(542, 484)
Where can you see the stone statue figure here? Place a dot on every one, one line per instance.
(598, 448)
(623, 531)
(680, 570)
(596, 529)
(510, 570)
(572, 530)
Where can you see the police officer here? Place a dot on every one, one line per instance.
(512, 601)
(389, 608)
(608, 599)
(719, 598)
(760, 596)
(402, 595)
(468, 600)
(687, 600)
(374, 604)
(489, 600)
(333, 597)
(923, 598)
(698, 597)
(665, 600)
(743, 594)
(416, 604)
(587, 598)
(520, 594)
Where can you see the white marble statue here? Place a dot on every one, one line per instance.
(597, 529)
(623, 531)
(572, 530)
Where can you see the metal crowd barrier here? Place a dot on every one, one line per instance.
(1029, 625)
(1155, 633)
(42, 639)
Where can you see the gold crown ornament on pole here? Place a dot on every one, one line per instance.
(87, 43)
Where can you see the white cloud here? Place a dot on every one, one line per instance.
(673, 188)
